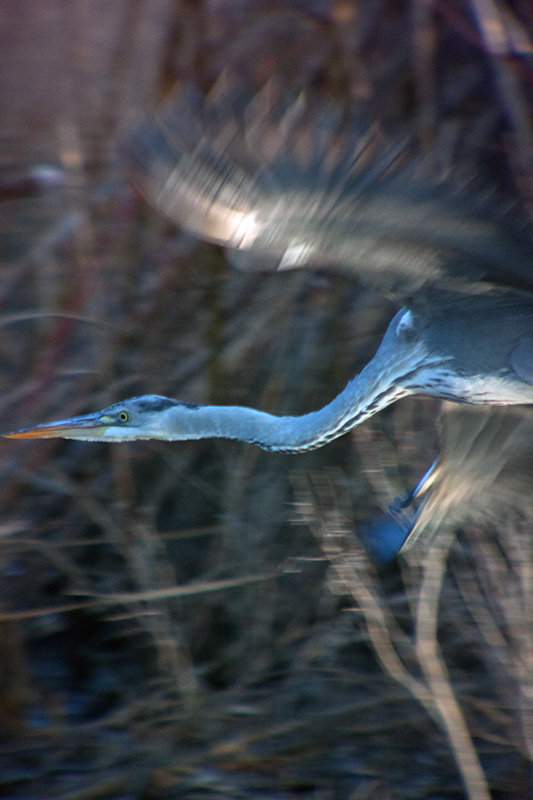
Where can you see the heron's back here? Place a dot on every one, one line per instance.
(489, 341)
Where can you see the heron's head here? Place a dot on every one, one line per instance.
(137, 418)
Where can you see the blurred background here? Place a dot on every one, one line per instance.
(202, 620)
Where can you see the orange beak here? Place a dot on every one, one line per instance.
(89, 426)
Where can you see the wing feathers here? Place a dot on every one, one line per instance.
(290, 185)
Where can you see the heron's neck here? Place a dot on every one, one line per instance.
(364, 396)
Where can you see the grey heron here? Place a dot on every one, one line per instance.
(254, 183)
(419, 354)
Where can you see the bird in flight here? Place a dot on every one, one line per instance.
(282, 189)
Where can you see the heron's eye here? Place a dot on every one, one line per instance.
(123, 416)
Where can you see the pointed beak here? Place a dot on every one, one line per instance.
(86, 427)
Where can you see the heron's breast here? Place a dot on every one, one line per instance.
(478, 389)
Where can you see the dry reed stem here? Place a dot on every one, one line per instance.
(435, 672)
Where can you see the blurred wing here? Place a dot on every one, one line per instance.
(484, 471)
(286, 186)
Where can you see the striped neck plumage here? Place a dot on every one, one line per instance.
(376, 387)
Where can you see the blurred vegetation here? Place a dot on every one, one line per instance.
(199, 620)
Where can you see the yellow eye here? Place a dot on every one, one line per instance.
(123, 416)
